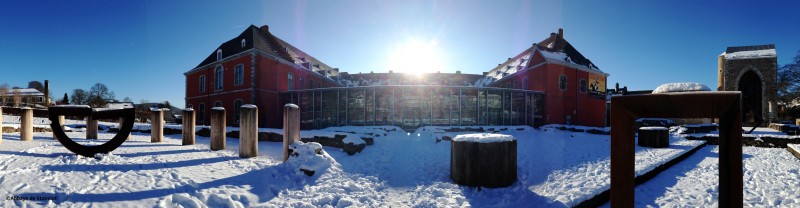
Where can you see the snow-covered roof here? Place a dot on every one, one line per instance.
(25, 92)
(681, 87)
(750, 52)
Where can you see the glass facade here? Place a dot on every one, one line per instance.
(411, 107)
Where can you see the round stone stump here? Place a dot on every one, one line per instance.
(487, 160)
(657, 137)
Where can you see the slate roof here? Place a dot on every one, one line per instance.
(735, 49)
(260, 38)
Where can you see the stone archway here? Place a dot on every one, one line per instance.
(750, 84)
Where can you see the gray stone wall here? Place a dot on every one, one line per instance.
(765, 68)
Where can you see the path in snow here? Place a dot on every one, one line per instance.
(771, 179)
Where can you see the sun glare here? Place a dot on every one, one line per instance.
(416, 57)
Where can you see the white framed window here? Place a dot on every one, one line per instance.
(219, 54)
(516, 84)
(218, 78)
(237, 105)
(290, 81)
(202, 83)
(238, 75)
(244, 43)
(562, 82)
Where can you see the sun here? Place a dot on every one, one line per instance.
(416, 57)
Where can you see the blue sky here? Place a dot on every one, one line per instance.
(140, 49)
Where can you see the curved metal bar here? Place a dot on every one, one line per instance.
(89, 151)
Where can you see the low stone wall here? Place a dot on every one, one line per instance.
(768, 141)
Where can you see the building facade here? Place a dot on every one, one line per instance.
(753, 70)
(259, 68)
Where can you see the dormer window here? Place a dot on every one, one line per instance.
(244, 43)
(219, 54)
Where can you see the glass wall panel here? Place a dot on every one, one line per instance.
(306, 111)
(383, 106)
(355, 107)
(329, 113)
(495, 107)
(469, 107)
(518, 113)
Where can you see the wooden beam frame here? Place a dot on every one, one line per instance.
(723, 105)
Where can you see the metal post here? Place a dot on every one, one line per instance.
(394, 100)
(527, 103)
(374, 109)
(1, 122)
(338, 115)
(364, 123)
(430, 96)
(511, 108)
(313, 109)
(346, 107)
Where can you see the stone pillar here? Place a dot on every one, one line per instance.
(188, 126)
(91, 128)
(26, 126)
(60, 121)
(248, 131)
(157, 126)
(218, 128)
(291, 127)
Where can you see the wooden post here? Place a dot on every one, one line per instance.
(157, 125)
(26, 128)
(291, 127)
(248, 131)
(60, 121)
(188, 126)
(723, 105)
(218, 128)
(91, 128)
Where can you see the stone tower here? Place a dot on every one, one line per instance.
(753, 70)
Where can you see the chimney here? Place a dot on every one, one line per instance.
(264, 29)
(560, 33)
(553, 36)
(46, 92)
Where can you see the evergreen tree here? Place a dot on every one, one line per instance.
(65, 100)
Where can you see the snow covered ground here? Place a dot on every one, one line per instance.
(555, 169)
(771, 179)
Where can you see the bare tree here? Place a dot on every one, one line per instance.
(17, 98)
(3, 94)
(80, 97)
(99, 94)
(36, 85)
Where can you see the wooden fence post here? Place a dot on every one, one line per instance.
(218, 128)
(188, 126)
(91, 128)
(291, 127)
(248, 131)
(26, 126)
(157, 126)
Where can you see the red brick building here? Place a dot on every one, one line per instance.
(549, 83)
(574, 87)
(252, 69)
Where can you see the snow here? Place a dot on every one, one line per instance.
(74, 106)
(291, 106)
(249, 106)
(555, 169)
(483, 138)
(353, 139)
(653, 128)
(771, 179)
(217, 108)
(766, 53)
(680, 87)
(795, 147)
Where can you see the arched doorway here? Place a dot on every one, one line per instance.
(750, 86)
